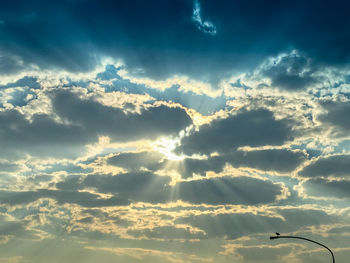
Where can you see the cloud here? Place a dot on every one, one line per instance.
(10, 64)
(91, 115)
(149, 188)
(319, 187)
(264, 253)
(336, 116)
(84, 199)
(206, 27)
(292, 72)
(156, 189)
(135, 161)
(65, 35)
(167, 232)
(61, 132)
(26, 81)
(86, 119)
(12, 227)
(246, 128)
(337, 166)
(233, 226)
(38, 135)
(6, 166)
(228, 190)
(279, 160)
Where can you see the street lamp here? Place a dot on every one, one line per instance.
(303, 238)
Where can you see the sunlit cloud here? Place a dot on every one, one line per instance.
(173, 131)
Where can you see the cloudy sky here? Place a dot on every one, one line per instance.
(179, 131)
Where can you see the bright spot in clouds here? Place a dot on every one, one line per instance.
(166, 146)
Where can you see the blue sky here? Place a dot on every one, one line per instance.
(174, 131)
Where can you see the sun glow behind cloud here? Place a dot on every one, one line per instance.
(203, 185)
(173, 131)
(166, 146)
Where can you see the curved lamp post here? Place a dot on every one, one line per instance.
(303, 238)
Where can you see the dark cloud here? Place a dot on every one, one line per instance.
(233, 226)
(292, 72)
(73, 34)
(97, 119)
(86, 220)
(228, 190)
(8, 227)
(201, 102)
(155, 161)
(151, 188)
(266, 160)
(6, 166)
(38, 136)
(138, 187)
(337, 116)
(339, 230)
(146, 187)
(70, 168)
(16, 229)
(27, 81)
(338, 166)
(71, 183)
(187, 167)
(43, 136)
(84, 199)
(246, 128)
(324, 188)
(280, 160)
(135, 161)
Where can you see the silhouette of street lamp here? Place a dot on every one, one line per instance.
(303, 238)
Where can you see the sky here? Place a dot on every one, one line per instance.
(178, 131)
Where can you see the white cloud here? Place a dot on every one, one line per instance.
(206, 27)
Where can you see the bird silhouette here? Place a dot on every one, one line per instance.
(278, 234)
